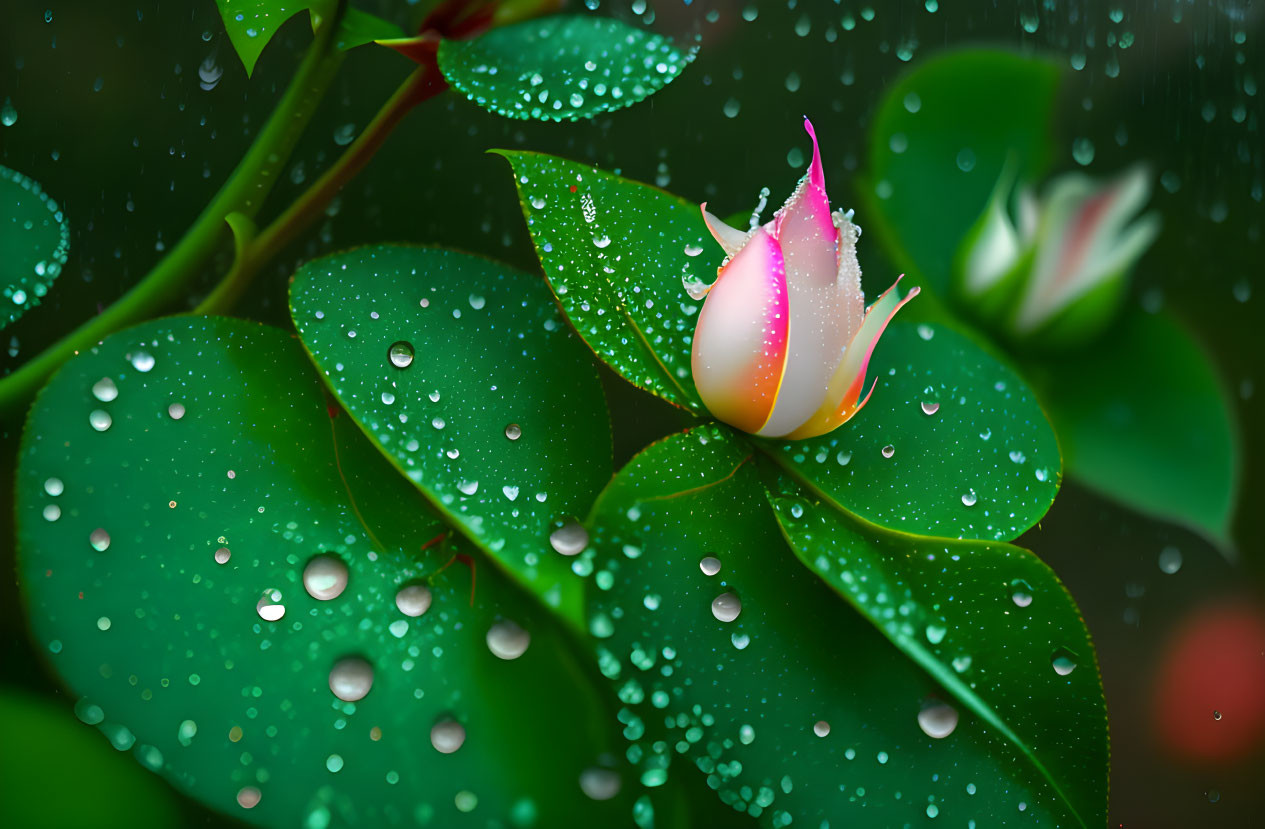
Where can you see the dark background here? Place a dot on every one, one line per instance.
(114, 121)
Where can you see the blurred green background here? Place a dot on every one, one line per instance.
(132, 114)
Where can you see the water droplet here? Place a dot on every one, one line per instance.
(507, 640)
(693, 250)
(538, 202)
(1020, 593)
(821, 728)
(400, 354)
(222, 555)
(1170, 560)
(1064, 661)
(599, 784)
(388, 398)
(601, 241)
(513, 431)
(569, 539)
(937, 719)
(325, 577)
(334, 763)
(105, 390)
(726, 607)
(510, 492)
(1216, 715)
(969, 498)
(52, 512)
(929, 408)
(468, 487)
(351, 678)
(695, 288)
(710, 565)
(54, 487)
(889, 450)
(269, 606)
(99, 539)
(88, 713)
(100, 419)
(935, 634)
(413, 599)
(740, 640)
(248, 797)
(447, 736)
(175, 411)
(142, 361)
(476, 302)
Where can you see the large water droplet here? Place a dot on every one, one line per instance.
(413, 599)
(54, 487)
(351, 678)
(1064, 661)
(513, 431)
(222, 555)
(569, 539)
(100, 419)
(325, 577)
(142, 361)
(599, 783)
(105, 390)
(269, 606)
(969, 498)
(726, 607)
(507, 640)
(937, 719)
(447, 736)
(1021, 593)
(99, 539)
(175, 411)
(821, 728)
(710, 565)
(400, 354)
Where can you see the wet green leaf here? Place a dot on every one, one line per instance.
(174, 485)
(938, 144)
(252, 23)
(561, 68)
(488, 402)
(34, 243)
(615, 252)
(952, 443)
(1144, 419)
(356, 28)
(797, 709)
(57, 773)
(989, 621)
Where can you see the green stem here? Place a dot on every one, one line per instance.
(244, 193)
(425, 82)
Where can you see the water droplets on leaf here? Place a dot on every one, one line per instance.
(269, 606)
(54, 487)
(400, 354)
(726, 607)
(969, 498)
(447, 735)
(222, 555)
(105, 390)
(100, 419)
(325, 577)
(351, 678)
(599, 783)
(506, 640)
(569, 539)
(176, 411)
(142, 361)
(1063, 661)
(821, 728)
(937, 719)
(889, 450)
(413, 599)
(99, 539)
(710, 565)
(1020, 593)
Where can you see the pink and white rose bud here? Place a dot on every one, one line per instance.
(783, 341)
(1054, 271)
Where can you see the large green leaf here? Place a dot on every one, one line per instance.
(952, 443)
(938, 144)
(34, 242)
(989, 621)
(169, 480)
(252, 23)
(1144, 419)
(799, 709)
(561, 68)
(615, 253)
(48, 755)
(490, 404)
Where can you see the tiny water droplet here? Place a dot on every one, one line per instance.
(351, 678)
(507, 640)
(929, 408)
(413, 599)
(447, 736)
(937, 719)
(726, 607)
(889, 450)
(710, 565)
(400, 354)
(569, 539)
(99, 539)
(325, 577)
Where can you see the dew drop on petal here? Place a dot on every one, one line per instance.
(325, 577)
(507, 640)
(447, 736)
(413, 599)
(937, 719)
(351, 678)
(569, 539)
(726, 607)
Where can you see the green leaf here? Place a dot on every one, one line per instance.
(168, 442)
(1144, 419)
(745, 701)
(989, 621)
(58, 773)
(952, 443)
(34, 242)
(252, 23)
(356, 28)
(497, 414)
(938, 144)
(615, 253)
(561, 68)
